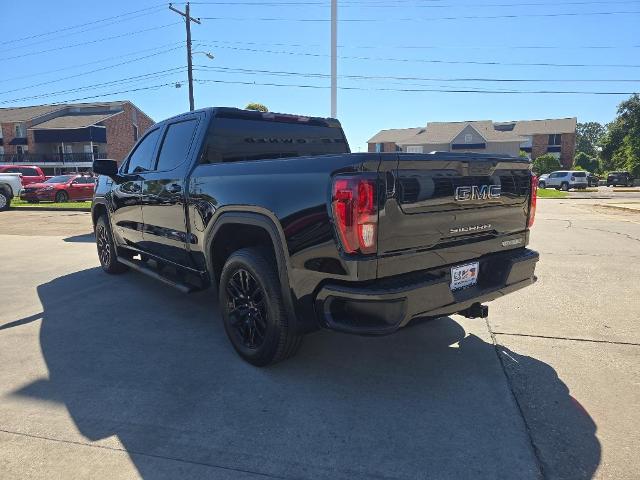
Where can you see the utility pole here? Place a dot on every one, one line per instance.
(334, 58)
(188, 19)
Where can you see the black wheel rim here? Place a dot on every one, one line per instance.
(246, 307)
(104, 249)
(61, 197)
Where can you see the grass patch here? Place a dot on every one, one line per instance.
(17, 203)
(551, 193)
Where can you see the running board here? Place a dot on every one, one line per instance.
(183, 287)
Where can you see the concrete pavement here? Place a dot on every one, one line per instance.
(122, 377)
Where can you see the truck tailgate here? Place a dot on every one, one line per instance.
(446, 208)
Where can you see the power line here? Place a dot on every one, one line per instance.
(405, 4)
(55, 49)
(78, 32)
(417, 90)
(78, 25)
(422, 60)
(426, 79)
(84, 73)
(151, 87)
(134, 78)
(432, 47)
(84, 64)
(422, 19)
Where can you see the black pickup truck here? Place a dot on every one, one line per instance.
(295, 233)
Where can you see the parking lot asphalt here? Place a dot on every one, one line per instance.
(122, 377)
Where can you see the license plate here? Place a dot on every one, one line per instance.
(464, 275)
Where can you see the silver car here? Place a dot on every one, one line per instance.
(565, 180)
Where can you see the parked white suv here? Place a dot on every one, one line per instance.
(10, 186)
(565, 180)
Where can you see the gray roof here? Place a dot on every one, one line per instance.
(445, 132)
(24, 114)
(395, 135)
(73, 121)
(553, 125)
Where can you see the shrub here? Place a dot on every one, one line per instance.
(546, 163)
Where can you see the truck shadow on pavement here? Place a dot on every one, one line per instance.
(132, 358)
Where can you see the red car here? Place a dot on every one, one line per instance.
(62, 188)
(30, 173)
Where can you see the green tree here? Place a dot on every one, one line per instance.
(621, 144)
(256, 106)
(589, 136)
(546, 163)
(585, 162)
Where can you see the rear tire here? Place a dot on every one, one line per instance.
(253, 311)
(62, 197)
(107, 253)
(564, 187)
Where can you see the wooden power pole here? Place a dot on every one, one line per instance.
(188, 19)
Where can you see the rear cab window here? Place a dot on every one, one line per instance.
(243, 139)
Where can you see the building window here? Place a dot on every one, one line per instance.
(20, 131)
(555, 139)
(468, 138)
(415, 149)
(379, 147)
(135, 133)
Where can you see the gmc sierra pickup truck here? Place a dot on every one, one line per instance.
(295, 233)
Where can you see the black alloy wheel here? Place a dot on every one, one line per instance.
(246, 308)
(106, 248)
(253, 309)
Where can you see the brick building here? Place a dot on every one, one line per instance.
(61, 137)
(536, 137)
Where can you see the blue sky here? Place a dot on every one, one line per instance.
(393, 38)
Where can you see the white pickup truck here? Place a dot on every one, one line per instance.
(10, 186)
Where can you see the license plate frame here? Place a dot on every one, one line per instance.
(464, 276)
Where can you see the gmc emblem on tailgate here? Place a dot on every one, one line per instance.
(477, 192)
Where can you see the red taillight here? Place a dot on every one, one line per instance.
(533, 200)
(353, 203)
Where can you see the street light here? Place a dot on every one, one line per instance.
(208, 54)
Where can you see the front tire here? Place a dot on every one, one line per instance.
(253, 311)
(542, 185)
(5, 201)
(107, 253)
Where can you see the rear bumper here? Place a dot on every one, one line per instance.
(383, 306)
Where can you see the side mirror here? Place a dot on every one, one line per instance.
(106, 167)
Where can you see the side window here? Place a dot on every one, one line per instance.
(29, 172)
(141, 158)
(176, 143)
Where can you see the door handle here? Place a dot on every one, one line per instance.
(174, 188)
